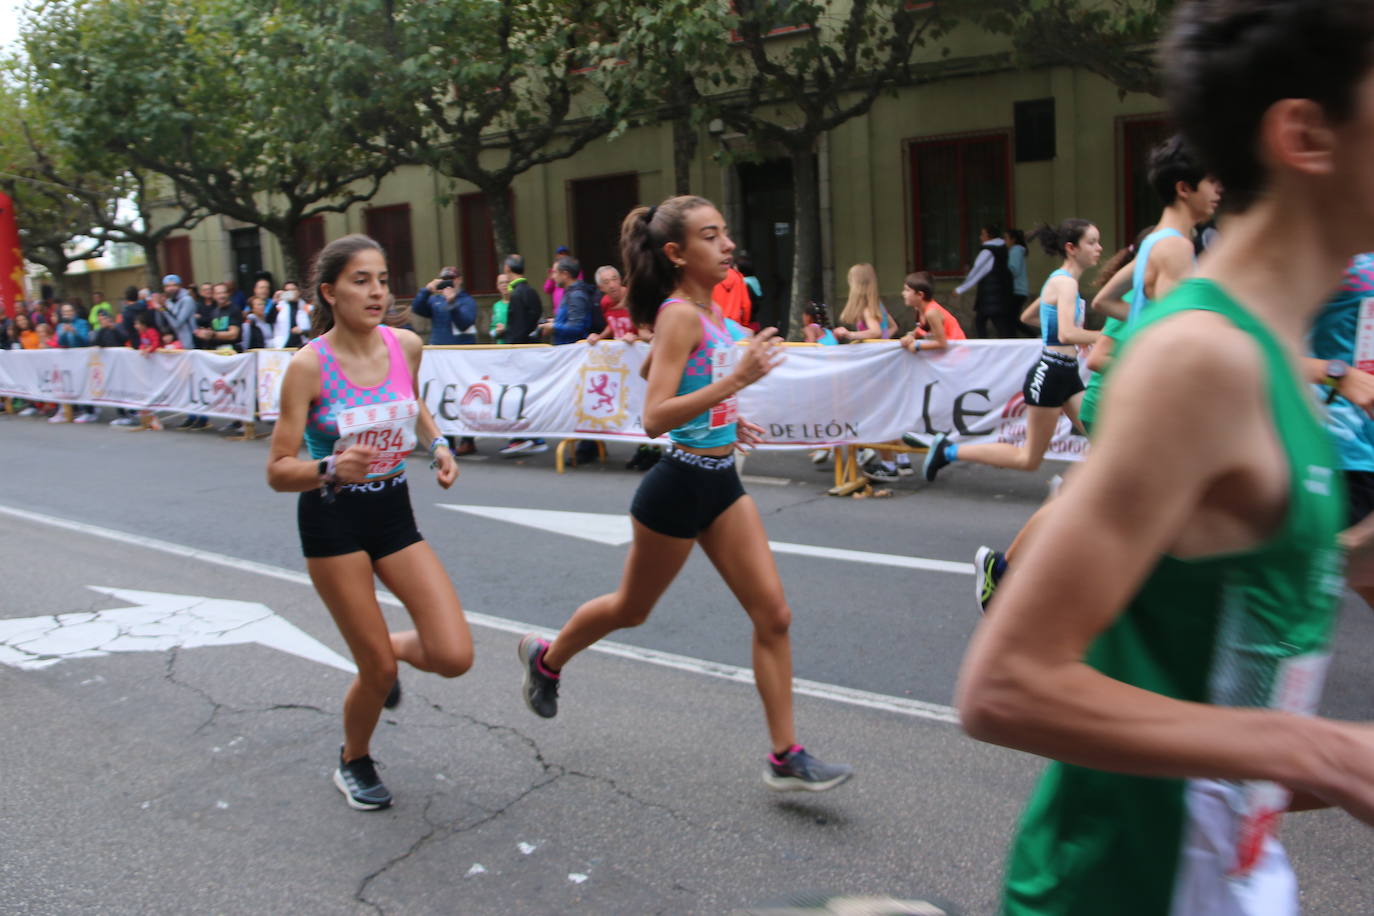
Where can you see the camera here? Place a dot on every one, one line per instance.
(446, 283)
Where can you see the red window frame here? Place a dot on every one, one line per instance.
(967, 231)
(176, 259)
(400, 258)
(735, 38)
(467, 251)
(1127, 158)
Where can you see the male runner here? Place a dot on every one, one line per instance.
(1164, 636)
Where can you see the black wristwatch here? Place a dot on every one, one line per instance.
(1336, 370)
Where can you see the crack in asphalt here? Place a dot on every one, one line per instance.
(439, 832)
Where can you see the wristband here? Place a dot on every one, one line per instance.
(438, 442)
(326, 468)
(918, 344)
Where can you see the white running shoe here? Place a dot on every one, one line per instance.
(58, 417)
(518, 447)
(820, 456)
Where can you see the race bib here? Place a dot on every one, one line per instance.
(389, 428)
(1364, 338)
(722, 364)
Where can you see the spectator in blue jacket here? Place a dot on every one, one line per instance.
(73, 331)
(579, 307)
(450, 307)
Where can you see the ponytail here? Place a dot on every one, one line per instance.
(1055, 240)
(649, 275)
(332, 260)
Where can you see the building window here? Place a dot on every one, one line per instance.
(787, 18)
(390, 226)
(1140, 204)
(1034, 122)
(176, 258)
(477, 242)
(958, 185)
(597, 207)
(309, 242)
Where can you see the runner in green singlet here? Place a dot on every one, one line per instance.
(1164, 642)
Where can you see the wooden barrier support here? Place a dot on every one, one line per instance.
(849, 477)
(560, 454)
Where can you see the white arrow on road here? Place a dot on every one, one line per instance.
(615, 530)
(156, 623)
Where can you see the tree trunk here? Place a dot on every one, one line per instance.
(502, 220)
(806, 255)
(290, 258)
(685, 140)
(152, 265)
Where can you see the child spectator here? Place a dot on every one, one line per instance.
(935, 326)
(500, 308)
(864, 311)
(816, 329)
(149, 342)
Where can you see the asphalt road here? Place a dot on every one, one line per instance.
(195, 779)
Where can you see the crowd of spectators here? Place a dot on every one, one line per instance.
(220, 317)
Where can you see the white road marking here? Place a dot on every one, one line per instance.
(156, 622)
(615, 531)
(832, 692)
(766, 480)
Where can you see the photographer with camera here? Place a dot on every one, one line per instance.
(450, 307)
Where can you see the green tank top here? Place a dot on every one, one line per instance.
(1242, 629)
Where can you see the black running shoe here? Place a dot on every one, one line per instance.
(985, 576)
(393, 696)
(935, 457)
(187, 423)
(360, 784)
(798, 771)
(541, 684)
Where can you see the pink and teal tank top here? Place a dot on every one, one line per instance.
(346, 414)
(713, 359)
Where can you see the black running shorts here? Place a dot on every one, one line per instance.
(373, 517)
(1052, 380)
(684, 493)
(1360, 487)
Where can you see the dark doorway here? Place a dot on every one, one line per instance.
(769, 234)
(598, 207)
(246, 246)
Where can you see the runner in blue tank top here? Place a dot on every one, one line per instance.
(1341, 344)
(675, 254)
(1053, 386)
(1166, 257)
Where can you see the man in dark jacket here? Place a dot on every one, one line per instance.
(450, 307)
(578, 311)
(526, 308)
(991, 277)
(522, 323)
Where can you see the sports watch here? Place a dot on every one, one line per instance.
(1336, 371)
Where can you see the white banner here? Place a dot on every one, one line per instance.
(188, 382)
(271, 370)
(819, 396)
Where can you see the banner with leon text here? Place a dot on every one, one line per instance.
(193, 382)
(818, 396)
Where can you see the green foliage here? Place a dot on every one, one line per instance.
(227, 99)
(1113, 38)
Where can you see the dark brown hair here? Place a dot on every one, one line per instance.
(649, 275)
(330, 262)
(1227, 61)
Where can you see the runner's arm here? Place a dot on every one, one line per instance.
(676, 334)
(1064, 292)
(1173, 261)
(1031, 314)
(1101, 355)
(1357, 386)
(1025, 683)
(425, 424)
(1109, 299)
(286, 471)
